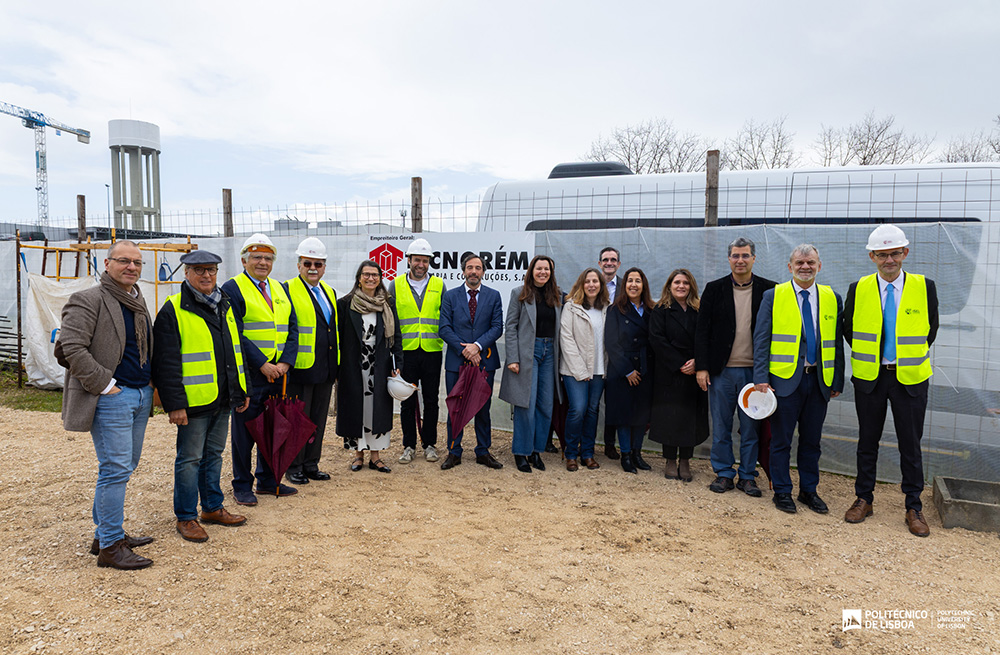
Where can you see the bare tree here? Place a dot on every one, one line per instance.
(653, 146)
(995, 137)
(760, 145)
(978, 146)
(871, 141)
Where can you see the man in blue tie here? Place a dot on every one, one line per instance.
(798, 354)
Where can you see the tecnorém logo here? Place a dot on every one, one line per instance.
(388, 257)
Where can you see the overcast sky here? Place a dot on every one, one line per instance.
(307, 102)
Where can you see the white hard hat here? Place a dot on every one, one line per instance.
(312, 247)
(420, 247)
(258, 242)
(887, 237)
(400, 389)
(756, 404)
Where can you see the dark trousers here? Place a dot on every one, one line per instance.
(423, 368)
(670, 452)
(243, 443)
(805, 406)
(317, 400)
(484, 436)
(908, 415)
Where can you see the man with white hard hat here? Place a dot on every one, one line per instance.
(266, 318)
(318, 357)
(890, 321)
(418, 302)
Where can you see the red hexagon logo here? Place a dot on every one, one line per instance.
(388, 257)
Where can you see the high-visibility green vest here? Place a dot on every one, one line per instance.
(263, 327)
(419, 327)
(305, 319)
(198, 367)
(786, 331)
(913, 364)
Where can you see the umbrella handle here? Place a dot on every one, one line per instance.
(284, 384)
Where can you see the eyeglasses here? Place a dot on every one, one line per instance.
(202, 270)
(371, 276)
(308, 264)
(125, 261)
(882, 256)
(257, 258)
(740, 255)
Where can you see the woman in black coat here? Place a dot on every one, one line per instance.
(371, 351)
(680, 407)
(628, 385)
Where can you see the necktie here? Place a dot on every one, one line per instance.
(473, 303)
(889, 318)
(810, 329)
(263, 290)
(322, 305)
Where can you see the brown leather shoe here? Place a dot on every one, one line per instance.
(131, 542)
(859, 511)
(192, 531)
(571, 465)
(223, 517)
(590, 463)
(916, 523)
(119, 556)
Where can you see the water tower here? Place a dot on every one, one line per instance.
(135, 174)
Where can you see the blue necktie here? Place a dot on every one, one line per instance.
(322, 305)
(810, 329)
(889, 318)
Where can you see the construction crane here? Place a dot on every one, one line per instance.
(37, 121)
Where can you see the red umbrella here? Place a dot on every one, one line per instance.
(467, 397)
(280, 431)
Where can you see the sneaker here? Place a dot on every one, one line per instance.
(721, 485)
(431, 454)
(407, 456)
(749, 487)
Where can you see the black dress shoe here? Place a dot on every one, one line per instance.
(536, 460)
(131, 542)
(640, 463)
(551, 447)
(451, 461)
(317, 475)
(521, 462)
(297, 478)
(785, 503)
(812, 500)
(628, 464)
(489, 461)
(610, 451)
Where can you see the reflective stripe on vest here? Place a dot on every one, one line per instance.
(198, 367)
(305, 316)
(913, 364)
(786, 331)
(264, 328)
(419, 327)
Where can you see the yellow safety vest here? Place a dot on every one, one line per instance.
(419, 327)
(306, 321)
(913, 364)
(263, 327)
(198, 368)
(786, 331)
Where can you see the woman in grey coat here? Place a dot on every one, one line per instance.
(531, 339)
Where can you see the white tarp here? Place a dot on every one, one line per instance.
(43, 310)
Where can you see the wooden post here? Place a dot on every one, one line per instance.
(227, 212)
(712, 189)
(417, 204)
(20, 343)
(81, 226)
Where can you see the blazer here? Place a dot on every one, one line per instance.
(716, 331)
(626, 340)
(324, 369)
(456, 326)
(253, 358)
(519, 345)
(762, 353)
(92, 336)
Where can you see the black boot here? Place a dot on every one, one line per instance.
(522, 464)
(628, 463)
(536, 461)
(639, 462)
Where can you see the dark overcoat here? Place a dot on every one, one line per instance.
(626, 342)
(680, 407)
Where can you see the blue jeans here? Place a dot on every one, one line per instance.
(118, 430)
(198, 466)
(630, 437)
(531, 423)
(722, 395)
(584, 399)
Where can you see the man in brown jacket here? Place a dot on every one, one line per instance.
(106, 338)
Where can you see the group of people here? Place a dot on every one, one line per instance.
(215, 353)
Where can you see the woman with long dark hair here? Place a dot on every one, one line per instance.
(531, 340)
(628, 385)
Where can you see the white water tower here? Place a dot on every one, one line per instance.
(135, 172)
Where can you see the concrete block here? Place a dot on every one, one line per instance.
(969, 504)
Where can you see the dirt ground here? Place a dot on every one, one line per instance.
(475, 561)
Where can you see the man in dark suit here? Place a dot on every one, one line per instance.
(890, 321)
(798, 353)
(471, 323)
(610, 261)
(318, 357)
(723, 359)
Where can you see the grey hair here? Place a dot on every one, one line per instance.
(742, 242)
(123, 242)
(803, 249)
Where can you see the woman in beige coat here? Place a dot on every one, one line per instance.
(581, 340)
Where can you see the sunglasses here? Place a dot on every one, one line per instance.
(308, 264)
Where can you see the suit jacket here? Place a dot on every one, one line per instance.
(762, 353)
(519, 346)
(866, 386)
(713, 342)
(324, 369)
(252, 355)
(626, 342)
(456, 326)
(93, 341)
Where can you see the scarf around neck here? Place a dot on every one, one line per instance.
(137, 305)
(364, 304)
